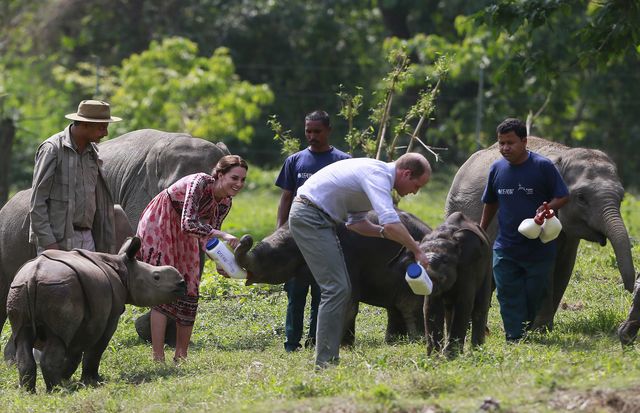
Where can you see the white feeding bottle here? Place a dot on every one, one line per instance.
(222, 255)
(551, 227)
(532, 227)
(418, 279)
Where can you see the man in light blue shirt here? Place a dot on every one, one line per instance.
(346, 191)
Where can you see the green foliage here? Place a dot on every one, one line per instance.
(349, 110)
(169, 87)
(290, 145)
(575, 60)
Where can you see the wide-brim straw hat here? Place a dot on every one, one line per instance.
(93, 111)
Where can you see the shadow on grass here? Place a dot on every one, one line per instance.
(579, 333)
(154, 372)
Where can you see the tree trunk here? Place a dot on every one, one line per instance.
(7, 135)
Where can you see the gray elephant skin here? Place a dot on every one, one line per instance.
(459, 254)
(593, 213)
(69, 303)
(376, 267)
(137, 165)
(140, 164)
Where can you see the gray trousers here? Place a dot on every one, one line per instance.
(315, 234)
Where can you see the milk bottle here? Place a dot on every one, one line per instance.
(222, 255)
(418, 279)
(532, 227)
(551, 227)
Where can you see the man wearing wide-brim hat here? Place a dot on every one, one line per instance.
(71, 206)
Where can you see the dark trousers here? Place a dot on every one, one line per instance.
(297, 289)
(521, 287)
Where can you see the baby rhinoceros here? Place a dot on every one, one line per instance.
(70, 302)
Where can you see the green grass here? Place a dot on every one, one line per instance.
(237, 361)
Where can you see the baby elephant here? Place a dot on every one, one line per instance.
(460, 265)
(69, 304)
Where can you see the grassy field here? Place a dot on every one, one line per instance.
(237, 361)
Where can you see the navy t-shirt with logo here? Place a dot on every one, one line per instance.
(301, 165)
(519, 191)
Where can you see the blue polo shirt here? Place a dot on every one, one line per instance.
(301, 165)
(519, 191)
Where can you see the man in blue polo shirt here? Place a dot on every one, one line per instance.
(518, 185)
(295, 171)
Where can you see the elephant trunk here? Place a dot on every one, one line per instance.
(616, 232)
(244, 258)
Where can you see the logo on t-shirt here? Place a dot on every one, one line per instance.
(528, 191)
(511, 191)
(304, 175)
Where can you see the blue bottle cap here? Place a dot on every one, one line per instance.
(414, 270)
(212, 243)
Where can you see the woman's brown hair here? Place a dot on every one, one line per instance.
(228, 162)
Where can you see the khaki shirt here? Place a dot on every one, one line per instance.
(55, 193)
(85, 189)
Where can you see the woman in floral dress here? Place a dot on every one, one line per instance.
(175, 227)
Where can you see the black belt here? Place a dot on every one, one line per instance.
(79, 228)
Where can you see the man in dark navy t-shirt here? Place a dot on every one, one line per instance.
(518, 185)
(296, 170)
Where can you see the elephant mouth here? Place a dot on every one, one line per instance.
(601, 239)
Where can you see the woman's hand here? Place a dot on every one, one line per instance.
(221, 271)
(231, 240)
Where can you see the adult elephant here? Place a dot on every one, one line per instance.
(137, 165)
(140, 164)
(593, 213)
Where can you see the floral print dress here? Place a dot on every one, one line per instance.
(174, 228)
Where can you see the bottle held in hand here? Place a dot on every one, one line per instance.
(532, 227)
(222, 255)
(551, 227)
(418, 279)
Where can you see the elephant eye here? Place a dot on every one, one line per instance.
(156, 277)
(581, 198)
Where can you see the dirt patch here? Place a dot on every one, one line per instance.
(618, 401)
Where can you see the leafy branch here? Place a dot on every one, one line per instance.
(290, 144)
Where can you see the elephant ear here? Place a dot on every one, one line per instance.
(131, 247)
(556, 158)
(459, 220)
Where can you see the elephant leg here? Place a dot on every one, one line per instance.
(457, 327)
(349, 332)
(414, 321)
(396, 326)
(411, 309)
(52, 361)
(567, 250)
(480, 313)
(10, 350)
(434, 323)
(628, 330)
(24, 358)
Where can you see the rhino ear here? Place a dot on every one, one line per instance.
(131, 247)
